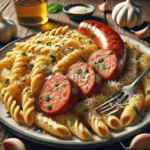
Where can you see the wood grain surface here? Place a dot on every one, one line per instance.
(55, 20)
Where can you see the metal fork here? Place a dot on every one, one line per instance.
(110, 107)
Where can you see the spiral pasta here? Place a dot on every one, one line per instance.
(12, 106)
(58, 31)
(20, 66)
(38, 73)
(28, 106)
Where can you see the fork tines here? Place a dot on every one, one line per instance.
(113, 104)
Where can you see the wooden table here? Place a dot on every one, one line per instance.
(55, 20)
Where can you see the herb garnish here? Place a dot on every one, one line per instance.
(9, 67)
(32, 65)
(39, 42)
(95, 65)
(79, 71)
(47, 98)
(48, 43)
(72, 121)
(56, 84)
(24, 53)
(54, 7)
(49, 106)
(148, 92)
(101, 59)
(104, 66)
(8, 115)
(53, 58)
(136, 109)
(7, 81)
(86, 70)
(49, 73)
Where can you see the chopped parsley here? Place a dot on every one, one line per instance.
(49, 73)
(48, 43)
(7, 81)
(8, 115)
(110, 53)
(47, 98)
(101, 59)
(56, 84)
(36, 129)
(9, 67)
(125, 42)
(72, 121)
(24, 54)
(86, 70)
(148, 92)
(32, 65)
(90, 42)
(50, 125)
(104, 66)
(53, 58)
(39, 42)
(95, 65)
(136, 109)
(79, 71)
(49, 106)
(82, 58)
(79, 38)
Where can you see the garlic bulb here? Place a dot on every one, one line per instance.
(8, 29)
(128, 14)
(13, 144)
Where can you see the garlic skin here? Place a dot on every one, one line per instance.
(143, 33)
(13, 144)
(104, 7)
(8, 29)
(128, 14)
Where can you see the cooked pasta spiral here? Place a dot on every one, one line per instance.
(12, 106)
(58, 31)
(38, 73)
(20, 66)
(28, 106)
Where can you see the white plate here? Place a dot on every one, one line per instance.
(73, 143)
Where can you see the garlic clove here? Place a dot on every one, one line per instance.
(104, 7)
(142, 33)
(13, 144)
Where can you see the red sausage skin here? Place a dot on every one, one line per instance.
(105, 38)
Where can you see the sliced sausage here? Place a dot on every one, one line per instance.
(104, 62)
(85, 77)
(105, 38)
(73, 99)
(55, 94)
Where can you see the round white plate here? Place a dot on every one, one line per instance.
(73, 143)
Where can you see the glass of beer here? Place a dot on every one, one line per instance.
(31, 12)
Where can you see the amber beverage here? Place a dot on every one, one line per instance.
(31, 12)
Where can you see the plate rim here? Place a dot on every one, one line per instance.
(70, 144)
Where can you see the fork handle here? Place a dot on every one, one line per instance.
(141, 76)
